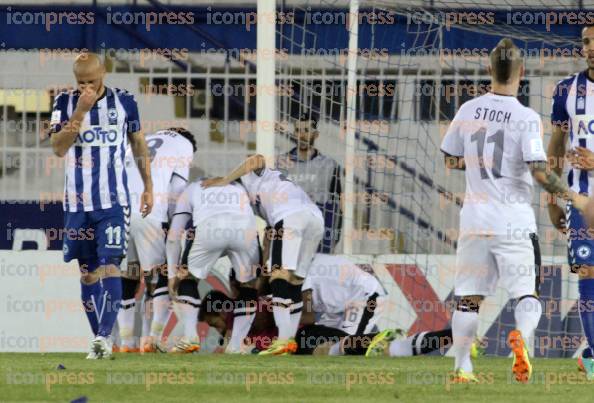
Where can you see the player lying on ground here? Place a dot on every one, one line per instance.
(299, 227)
(224, 225)
(333, 334)
(171, 153)
(91, 127)
(498, 142)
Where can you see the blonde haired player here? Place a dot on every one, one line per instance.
(498, 142)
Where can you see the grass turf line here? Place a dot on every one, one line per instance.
(221, 378)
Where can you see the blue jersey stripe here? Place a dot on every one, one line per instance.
(583, 173)
(581, 92)
(111, 175)
(78, 178)
(95, 162)
(570, 178)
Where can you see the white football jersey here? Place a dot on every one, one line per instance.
(497, 136)
(205, 203)
(171, 154)
(336, 282)
(275, 197)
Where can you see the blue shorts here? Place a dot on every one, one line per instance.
(100, 235)
(580, 240)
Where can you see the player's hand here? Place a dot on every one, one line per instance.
(578, 201)
(86, 100)
(146, 202)
(581, 158)
(557, 216)
(207, 183)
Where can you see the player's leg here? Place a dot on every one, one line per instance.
(317, 339)
(160, 308)
(476, 276)
(518, 261)
(149, 242)
(111, 235)
(581, 261)
(245, 257)
(75, 247)
(284, 251)
(127, 314)
(187, 307)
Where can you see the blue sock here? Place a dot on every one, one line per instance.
(586, 288)
(112, 287)
(92, 296)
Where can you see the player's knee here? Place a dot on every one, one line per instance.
(470, 303)
(89, 273)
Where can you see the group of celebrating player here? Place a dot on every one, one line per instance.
(289, 299)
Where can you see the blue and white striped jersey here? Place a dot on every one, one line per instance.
(573, 107)
(95, 174)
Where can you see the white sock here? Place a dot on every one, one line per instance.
(282, 318)
(126, 317)
(146, 316)
(188, 314)
(296, 311)
(242, 324)
(335, 349)
(527, 314)
(161, 315)
(464, 327)
(401, 348)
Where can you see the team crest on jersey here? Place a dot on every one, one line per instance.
(584, 251)
(65, 248)
(112, 114)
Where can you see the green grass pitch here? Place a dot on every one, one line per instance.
(220, 378)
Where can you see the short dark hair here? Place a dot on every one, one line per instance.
(211, 301)
(304, 117)
(505, 60)
(186, 134)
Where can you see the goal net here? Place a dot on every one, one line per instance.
(415, 67)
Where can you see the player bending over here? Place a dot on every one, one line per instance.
(91, 127)
(171, 153)
(224, 225)
(298, 228)
(498, 142)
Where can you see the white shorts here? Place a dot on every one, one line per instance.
(482, 262)
(233, 235)
(146, 243)
(299, 237)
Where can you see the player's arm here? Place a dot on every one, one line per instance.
(255, 163)
(175, 273)
(62, 139)
(308, 316)
(143, 161)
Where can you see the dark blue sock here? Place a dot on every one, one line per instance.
(586, 288)
(91, 296)
(112, 287)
